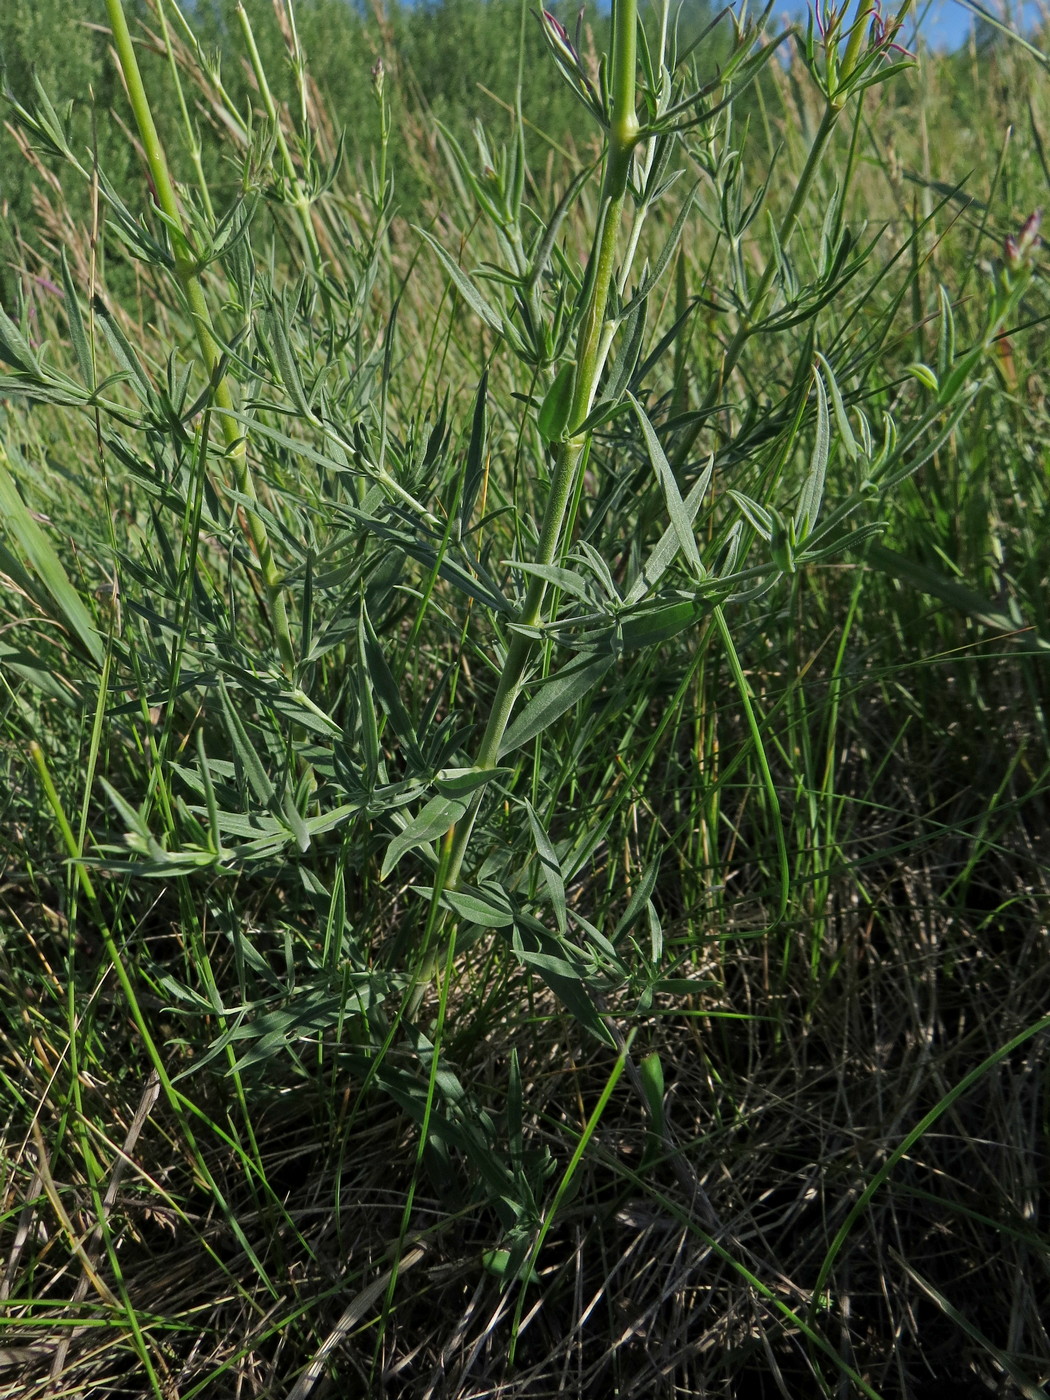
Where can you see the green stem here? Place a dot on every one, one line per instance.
(300, 199)
(758, 302)
(186, 272)
(177, 1101)
(623, 137)
(854, 46)
(193, 144)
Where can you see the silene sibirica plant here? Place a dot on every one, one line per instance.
(396, 726)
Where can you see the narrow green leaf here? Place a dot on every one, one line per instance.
(123, 349)
(557, 577)
(945, 335)
(75, 320)
(130, 816)
(924, 375)
(31, 668)
(15, 349)
(849, 442)
(558, 964)
(666, 252)
(463, 782)
(250, 763)
(274, 323)
(627, 357)
(651, 1073)
(474, 472)
(550, 234)
(637, 903)
(916, 450)
(437, 817)
(651, 626)
(1025, 1385)
(515, 1111)
(463, 284)
(889, 1165)
(839, 541)
(480, 907)
(808, 509)
(666, 548)
(550, 868)
(769, 786)
(757, 515)
(553, 419)
(555, 696)
(498, 1262)
(385, 686)
(965, 600)
(681, 522)
(45, 563)
(296, 823)
(684, 986)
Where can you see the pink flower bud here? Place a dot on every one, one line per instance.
(1017, 250)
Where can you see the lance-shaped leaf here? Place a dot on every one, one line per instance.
(651, 625)
(386, 688)
(849, 442)
(15, 349)
(245, 753)
(46, 565)
(681, 521)
(562, 967)
(463, 284)
(550, 868)
(487, 908)
(626, 361)
(77, 333)
(666, 253)
(555, 696)
(554, 412)
(666, 548)
(808, 508)
(474, 472)
(437, 817)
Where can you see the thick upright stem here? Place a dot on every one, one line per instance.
(623, 137)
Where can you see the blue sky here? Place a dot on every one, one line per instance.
(944, 23)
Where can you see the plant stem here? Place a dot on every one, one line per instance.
(193, 143)
(300, 199)
(623, 137)
(187, 275)
(758, 302)
(178, 1102)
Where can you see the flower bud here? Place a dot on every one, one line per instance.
(1017, 250)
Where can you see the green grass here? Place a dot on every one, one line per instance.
(524, 836)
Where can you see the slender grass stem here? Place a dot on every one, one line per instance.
(187, 275)
(177, 1101)
(759, 300)
(300, 199)
(193, 142)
